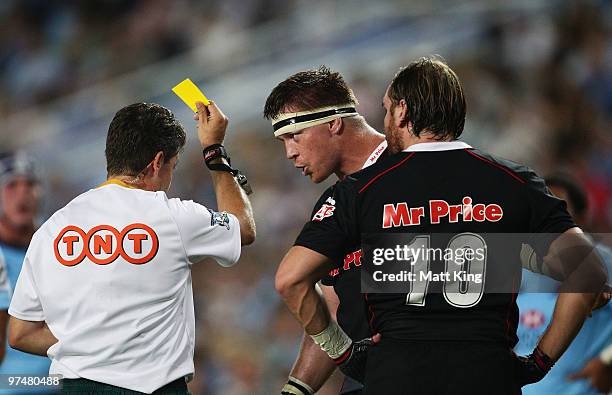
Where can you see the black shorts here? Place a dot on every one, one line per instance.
(439, 368)
(88, 387)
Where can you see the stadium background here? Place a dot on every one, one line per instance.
(537, 74)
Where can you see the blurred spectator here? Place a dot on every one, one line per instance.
(20, 198)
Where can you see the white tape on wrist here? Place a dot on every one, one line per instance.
(333, 340)
(297, 387)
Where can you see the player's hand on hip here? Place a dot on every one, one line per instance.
(353, 362)
(212, 124)
(532, 368)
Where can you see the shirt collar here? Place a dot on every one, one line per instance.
(373, 157)
(438, 146)
(114, 181)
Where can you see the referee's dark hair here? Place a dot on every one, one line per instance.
(433, 95)
(576, 196)
(308, 90)
(137, 133)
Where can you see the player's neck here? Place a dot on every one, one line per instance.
(18, 236)
(359, 147)
(424, 137)
(126, 181)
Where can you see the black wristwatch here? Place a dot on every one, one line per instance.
(216, 151)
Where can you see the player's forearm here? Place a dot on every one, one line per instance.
(30, 337)
(295, 281)
(306, 305)
(584, 278)
(231, 198)
(571, 310)
(212, 125)
(312, 366)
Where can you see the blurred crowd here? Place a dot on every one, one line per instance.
(539, 91)
(50, 48)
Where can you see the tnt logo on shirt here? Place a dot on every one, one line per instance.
(103, 244)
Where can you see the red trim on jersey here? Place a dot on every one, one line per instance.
(505, 169)
(538, 359)
(544, 361)
(372, 315)
(385, 172)
(344, 356)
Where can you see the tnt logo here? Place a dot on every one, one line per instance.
(103, 244)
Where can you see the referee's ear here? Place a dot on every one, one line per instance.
(336, 126)
(157, 163)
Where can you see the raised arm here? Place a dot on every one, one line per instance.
(212, 124)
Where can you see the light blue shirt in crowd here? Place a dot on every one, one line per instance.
(535, 313)
(17, 362)
(5, 285)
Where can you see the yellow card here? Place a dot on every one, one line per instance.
(190, 94)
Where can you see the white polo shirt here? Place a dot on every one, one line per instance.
(110, 275)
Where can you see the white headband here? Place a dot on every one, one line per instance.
(292, 122)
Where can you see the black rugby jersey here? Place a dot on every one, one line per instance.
(351, 314)
(345, 279)
(436, 194)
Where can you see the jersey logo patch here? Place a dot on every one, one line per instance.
(103, 244)
(400, 214)
(326, 210)
(219, 218)
(353, 258)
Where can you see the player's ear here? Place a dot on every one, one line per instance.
(402, 113)
(335, 126)
(157, 162)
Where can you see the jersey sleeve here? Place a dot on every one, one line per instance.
(5, 285)
(332, 228)
(206, 233)
(548, 213)
(25, 303)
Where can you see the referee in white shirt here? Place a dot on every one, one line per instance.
(105, 290)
